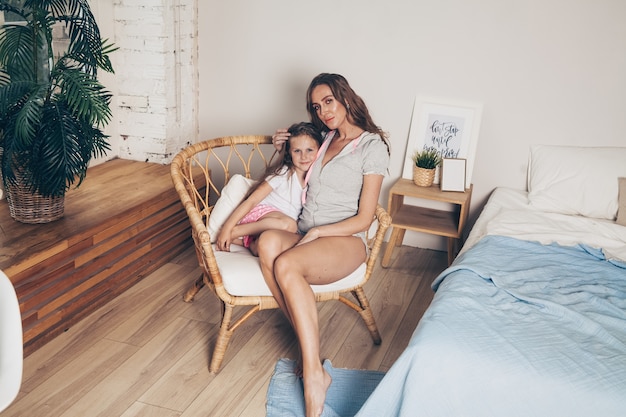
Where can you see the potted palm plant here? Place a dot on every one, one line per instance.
(425, 166)
(53, 109)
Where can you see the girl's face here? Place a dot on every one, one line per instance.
(303, 150)
(330, 111)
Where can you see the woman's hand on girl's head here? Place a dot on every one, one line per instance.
(279, 138)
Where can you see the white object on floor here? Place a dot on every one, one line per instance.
(11, 350)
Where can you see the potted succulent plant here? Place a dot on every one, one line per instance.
(53, 109)
(425, 166)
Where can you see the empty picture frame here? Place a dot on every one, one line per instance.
(453, 174)
(450, 127)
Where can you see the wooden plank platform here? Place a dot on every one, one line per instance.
(121, 224)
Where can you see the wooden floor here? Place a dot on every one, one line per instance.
(146, 352)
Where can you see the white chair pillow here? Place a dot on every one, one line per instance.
(232, 195)
(576, 180)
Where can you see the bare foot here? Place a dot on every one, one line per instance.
(315, 387)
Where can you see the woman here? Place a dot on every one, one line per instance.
(343, 188)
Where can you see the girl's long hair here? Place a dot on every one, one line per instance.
(276, 168)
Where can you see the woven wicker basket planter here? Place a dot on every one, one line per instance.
(27, 207)
(423, 177)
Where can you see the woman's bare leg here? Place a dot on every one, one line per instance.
(321, 261)
(305, 322)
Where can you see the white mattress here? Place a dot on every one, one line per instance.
(508, 213)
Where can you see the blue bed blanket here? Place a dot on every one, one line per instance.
(516, 328)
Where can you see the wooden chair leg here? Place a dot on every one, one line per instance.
(396, 236)
(193, 290)
(365, 312)
(223, 337)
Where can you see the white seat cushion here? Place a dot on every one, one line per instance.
(242, 275)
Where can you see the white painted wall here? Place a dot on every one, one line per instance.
(546, 71)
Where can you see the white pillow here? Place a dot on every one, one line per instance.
(576, 180)
(233, 193)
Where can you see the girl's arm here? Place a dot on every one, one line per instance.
(224, 236)
(368, 201)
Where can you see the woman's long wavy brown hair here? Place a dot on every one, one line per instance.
(355, 106)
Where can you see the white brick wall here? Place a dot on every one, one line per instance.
(157, 77)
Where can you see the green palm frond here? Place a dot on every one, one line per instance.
(28, 119)
(13, 94)
(56, 156)
(62, 149)
(56, 7)
(84, 34)
(104, 61)
(86, 97)
(18, 53)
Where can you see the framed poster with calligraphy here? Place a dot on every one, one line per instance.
(451, 128)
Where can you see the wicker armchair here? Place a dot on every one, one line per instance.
(199, 173)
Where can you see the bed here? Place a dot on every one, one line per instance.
(530, 319)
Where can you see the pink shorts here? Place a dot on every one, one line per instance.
(253, 215)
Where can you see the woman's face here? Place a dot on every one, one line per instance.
(329, 110)
(303, 150)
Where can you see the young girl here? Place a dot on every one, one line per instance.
(275, 202)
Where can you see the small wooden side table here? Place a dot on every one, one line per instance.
(423, 219)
